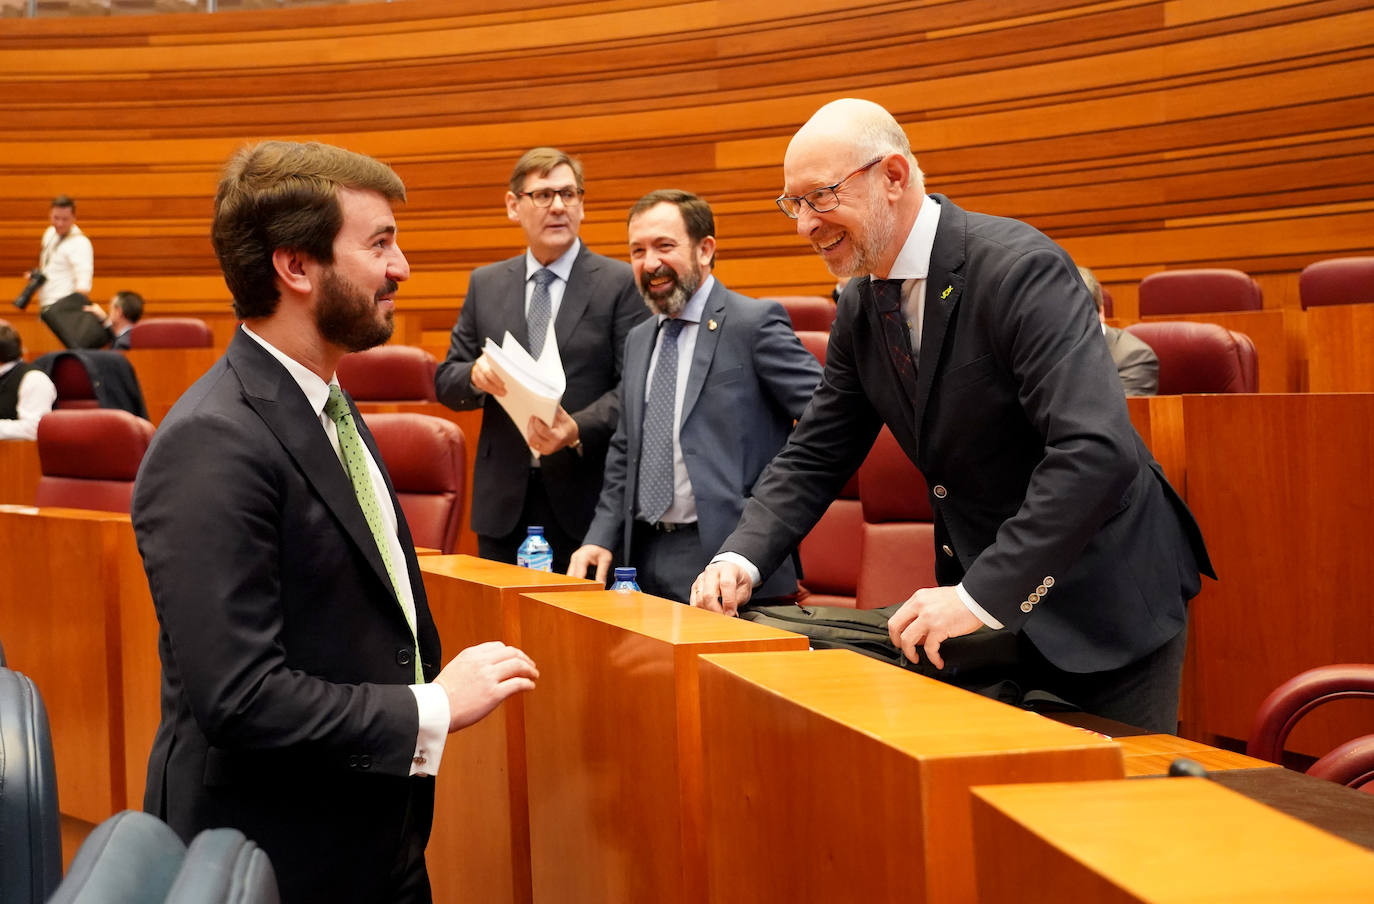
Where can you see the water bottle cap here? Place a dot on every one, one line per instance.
(534, 529)
(624, 574)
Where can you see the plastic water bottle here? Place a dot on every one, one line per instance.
(535, 552)
(624, 580)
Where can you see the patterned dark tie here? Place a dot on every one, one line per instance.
(887, 298)
(541, 310)
(660, 413)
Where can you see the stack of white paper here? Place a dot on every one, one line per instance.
(532, 387)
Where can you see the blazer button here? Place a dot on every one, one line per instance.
(1033, 598)
(364, 762)
(1048, 581)
(403, 656)
(352, 761)
(946, 550)
(1027, 606)
(1042, 589)
(939, 491)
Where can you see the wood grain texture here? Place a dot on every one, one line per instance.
(20, 471)
(1340, 348)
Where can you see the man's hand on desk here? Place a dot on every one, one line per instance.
(931, 617)
(590, 556)
(722, 587)
(478, 679)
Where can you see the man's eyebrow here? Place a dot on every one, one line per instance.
(389, 229)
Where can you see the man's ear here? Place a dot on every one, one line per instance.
(291, 270)
(512, 204)
(896, 170)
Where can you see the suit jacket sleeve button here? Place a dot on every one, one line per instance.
(940, 491)
(1048, 582)
(352, 761)
(365, 762)
(1027, 606)
(403, 657)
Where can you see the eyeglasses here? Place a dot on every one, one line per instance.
(821, 200)
(543, 197)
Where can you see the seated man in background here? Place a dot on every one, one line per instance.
(1136, 363)
(678, 471)
(125, 310)
(26, 393)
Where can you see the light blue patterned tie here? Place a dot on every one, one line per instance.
(541, 309)
(355, 463)
(660, 413)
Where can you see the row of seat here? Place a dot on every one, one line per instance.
(1340, 280)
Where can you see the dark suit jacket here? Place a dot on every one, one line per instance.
(1136, 363)
(600, 304)
(285, 654)
(1060, 523)
(119, 343)
(751, 370)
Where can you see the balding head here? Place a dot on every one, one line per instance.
(858, 144)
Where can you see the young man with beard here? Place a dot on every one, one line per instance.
(974, 340)
(557, 291)
(709, 363)
(302, 700)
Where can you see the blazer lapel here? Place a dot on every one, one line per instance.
(944, 288)
(705, 351)
(512, 313)
(276, 398)
(577, 294)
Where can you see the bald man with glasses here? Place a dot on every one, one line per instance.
(557, 292)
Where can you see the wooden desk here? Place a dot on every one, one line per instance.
(165, 373)
(1159, 421)
(1340, 348)
(613, 739)
(480, 847)
(19, 471)
(1280, 487)
(78, 620)
(1279, 338)
(1159, 841)
(834, 777)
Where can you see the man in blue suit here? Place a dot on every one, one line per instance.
(711, 387)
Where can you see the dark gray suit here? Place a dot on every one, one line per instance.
(1136, 363)
(750, 378)
(285, 654)
(600, 304)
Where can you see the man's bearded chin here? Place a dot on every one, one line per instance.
(675, 299)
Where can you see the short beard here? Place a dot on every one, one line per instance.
(879, 230)
(347, 317)
(685, 285)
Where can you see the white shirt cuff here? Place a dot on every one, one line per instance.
(755, 578)
(434, 717)
(983, 615)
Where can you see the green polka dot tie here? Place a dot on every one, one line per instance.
(355, 463)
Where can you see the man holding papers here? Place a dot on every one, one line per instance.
(712, 386)
(565, 306)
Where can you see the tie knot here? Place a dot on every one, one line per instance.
(887, 293)
(336, 406)
(542, 277)
(673, 327)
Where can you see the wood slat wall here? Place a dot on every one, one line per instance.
(1142, 135)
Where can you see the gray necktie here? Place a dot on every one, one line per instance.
(541, 309)
(660, 413)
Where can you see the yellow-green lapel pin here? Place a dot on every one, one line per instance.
(945, 294)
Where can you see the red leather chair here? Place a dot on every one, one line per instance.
(1198, 292)
(897, 557)
(89, 458)
(425, 457)
(808, 312)
(73, 384)
(171, 332)
(388, 373)
(815, 342)
(1352, 763)
(1200, 357)
(830, 553)
(1340, 280)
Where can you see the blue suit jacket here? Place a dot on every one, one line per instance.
(750, 379)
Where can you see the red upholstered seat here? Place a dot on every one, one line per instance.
(1200, 357)
(1352, 763)
(1198, 292)
(89, 458)
(808, 312)
(1340, 280)
(388, 373)
(171, 332)
(898, 549)
(425, 457)
(815, 342)
(830, 552)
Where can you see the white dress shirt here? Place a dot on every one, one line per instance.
(36, 397)
(68, 263)
(430, 698)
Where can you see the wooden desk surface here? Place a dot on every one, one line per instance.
(1164, 841)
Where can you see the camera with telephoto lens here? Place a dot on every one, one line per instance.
(36, 279)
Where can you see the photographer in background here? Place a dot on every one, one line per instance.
(65, 258)
(26, 393)
(125, 310)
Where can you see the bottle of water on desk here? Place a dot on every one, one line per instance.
(625, 580)
(535, 552)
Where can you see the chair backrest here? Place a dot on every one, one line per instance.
(224, 867)
(89, 458)
(1295, 698)
(388, 373)
(1200, 357)
(807, 312)
(1339, 280)
(815, 342)
(426, 459)
(171, 332)
(898, 554)
(1350, 764)
(73, 384)
(1199, 292)
(830, 552)
(30, 836)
